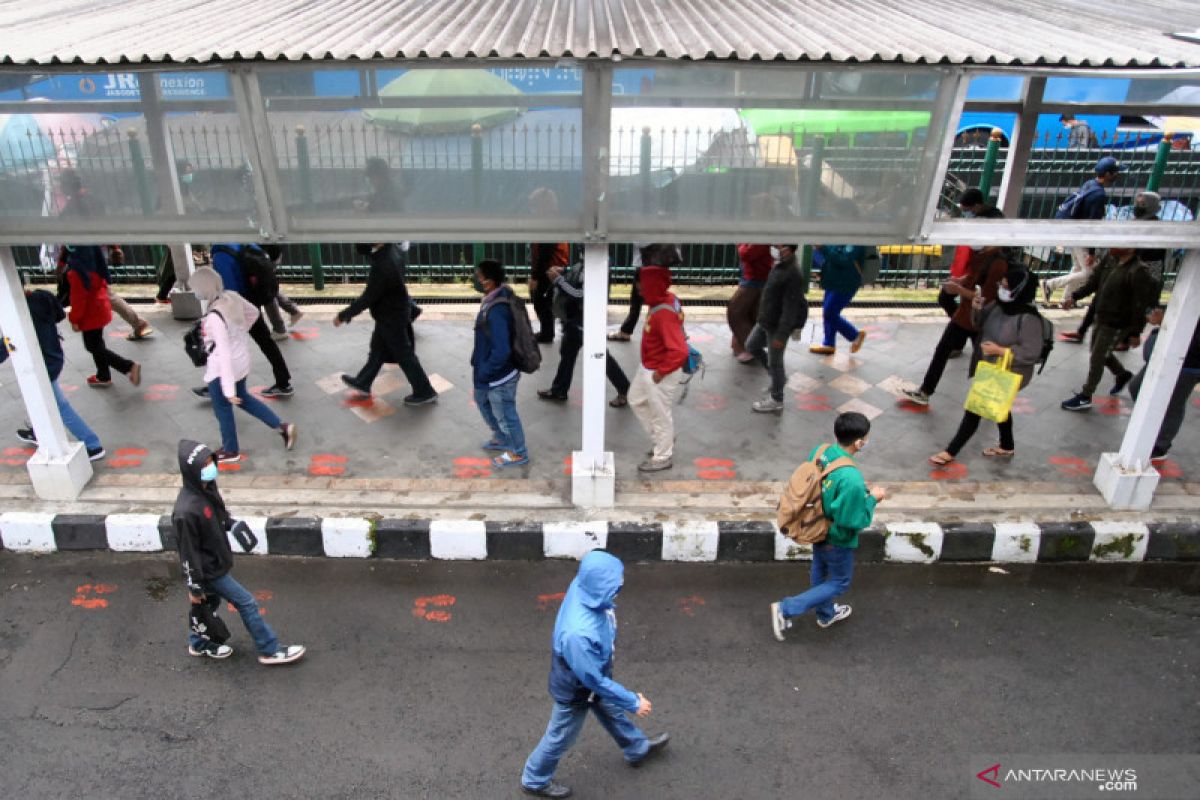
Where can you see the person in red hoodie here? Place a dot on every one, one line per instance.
(664, 354)
(742, 311)
(91, 311)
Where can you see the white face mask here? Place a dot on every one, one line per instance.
(1005, 295)
(775, 253)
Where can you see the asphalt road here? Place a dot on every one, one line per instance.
(404, 694)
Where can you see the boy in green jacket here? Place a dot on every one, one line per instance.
(850, 506)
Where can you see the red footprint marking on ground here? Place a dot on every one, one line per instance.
(715, 469)
(1022, 405)
(160, 392)
(421, 608)
(700, 338)
(710, 401)
(467, 467)
(357, 400)
(954, 471)
(1169, 469)
(876, 333)
(544, 600)
(1071, 466)
(569, 466)
(306, 332)
(236, 466)
(260, 596)
(128, 457)
(1111, 406)
(687, 605)
(84, 595)
(16, 456)
(813, 402)
(327, 464)
(911, 407)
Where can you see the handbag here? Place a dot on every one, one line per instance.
(204, 622)
(994, 389)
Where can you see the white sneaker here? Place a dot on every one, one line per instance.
(840, 612)
(779, 623)
(279, 336)
(294, 319)
(211, 649)
(286, 654)
(768, 405)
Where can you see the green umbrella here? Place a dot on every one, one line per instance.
(419, 83)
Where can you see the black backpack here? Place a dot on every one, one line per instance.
(1047, 339)
(1073, 206)
(526, 355)
(258, 273)
(193, 342)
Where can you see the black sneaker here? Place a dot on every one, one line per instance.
(277, 391)
(26, 435)
(1122, 381)
(1080, 402)
(201, 392)
(97, 454)
(286, 654)
(550, 394)
(210, 649)
(414, 400)
(288, 431)
(551, 789)
(353, 384)
(657, 743)
(415, 311)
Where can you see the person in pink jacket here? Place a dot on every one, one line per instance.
(226, 328)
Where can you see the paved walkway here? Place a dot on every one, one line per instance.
(354, 454)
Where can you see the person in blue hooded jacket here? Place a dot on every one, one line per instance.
(581, 678)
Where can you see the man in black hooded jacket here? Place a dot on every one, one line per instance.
(386, 297)
(201, 525)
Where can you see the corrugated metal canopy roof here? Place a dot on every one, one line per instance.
(1085, 33)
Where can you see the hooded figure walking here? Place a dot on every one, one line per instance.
(228, 318)
(581, 678)
(201, 525)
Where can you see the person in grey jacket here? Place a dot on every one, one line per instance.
(783, 308)
(1011, 323)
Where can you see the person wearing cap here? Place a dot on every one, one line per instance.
(1079, 134)
(1089, 202)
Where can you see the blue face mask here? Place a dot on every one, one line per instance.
(208, 473)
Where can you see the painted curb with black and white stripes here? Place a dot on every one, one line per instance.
(354, 537)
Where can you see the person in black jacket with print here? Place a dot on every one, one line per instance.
(387, 298)
(201, 524)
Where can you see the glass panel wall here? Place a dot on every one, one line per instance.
(691, 147)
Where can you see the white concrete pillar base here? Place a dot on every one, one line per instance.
(593, 485)
(1125, 488)
(60, 478)
(185, 305)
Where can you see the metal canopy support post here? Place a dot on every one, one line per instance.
(952, 92)
(184, 304)
(1020, 146)
(593, 472)
(60, 468)
(1126, 478)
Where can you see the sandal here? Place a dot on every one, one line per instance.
(620, 401)
(992, 452)
(941, 459)
(619, 336)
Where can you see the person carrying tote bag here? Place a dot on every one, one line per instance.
(1011, 334)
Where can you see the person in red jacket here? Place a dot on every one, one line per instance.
(91, 311)
(664, 354)
(742, 311)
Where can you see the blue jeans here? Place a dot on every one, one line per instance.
(832, 568)
(565, 723)
(224, 411)
(499, 409)
(227, 588)
(74, 423)
(835, 323)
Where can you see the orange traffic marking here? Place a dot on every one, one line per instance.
(688, 604)
(84, 595)
(544, 600)
(438, 601)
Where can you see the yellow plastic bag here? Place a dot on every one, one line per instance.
(994, 389)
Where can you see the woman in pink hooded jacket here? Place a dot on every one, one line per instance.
(226, 329)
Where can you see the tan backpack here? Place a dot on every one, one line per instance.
(801, 510)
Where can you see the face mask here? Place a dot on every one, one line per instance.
(186, 179)
(478, 286)
(208, 473)
(775, 253)
(968, 214)
(1140, 213)
(1005, 295)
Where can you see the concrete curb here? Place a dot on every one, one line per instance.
(357, 537)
